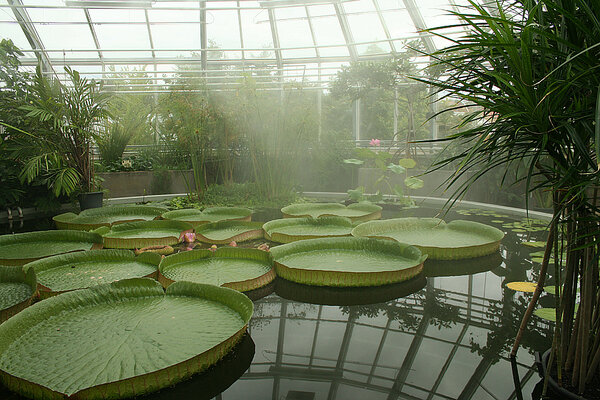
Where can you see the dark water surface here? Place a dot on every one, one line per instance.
(444, 335)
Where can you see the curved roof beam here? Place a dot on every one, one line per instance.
(417, 18)
(31, 34)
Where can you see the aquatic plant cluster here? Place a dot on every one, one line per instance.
(85, 274)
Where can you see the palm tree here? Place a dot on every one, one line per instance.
(532, 69)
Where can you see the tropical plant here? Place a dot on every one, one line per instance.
(66, 118)
(531, 70)
(112, 144)
(381, 160)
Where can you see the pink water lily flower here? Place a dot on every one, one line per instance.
(375, 142)
(213, 247)
(233, 243)
(189, 237)
(263, 247)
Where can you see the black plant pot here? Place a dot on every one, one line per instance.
(541, 361)
(90, 200)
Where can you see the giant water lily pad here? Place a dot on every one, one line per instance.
(237, 268)
(17, 290)
(106, 216)
(356, 211)
(21, 248)
(208, 215)
(140, 234)
(288, 230)
(119, 340)
(440, 240)
(225, 232)
(347, 261)
(90, 268)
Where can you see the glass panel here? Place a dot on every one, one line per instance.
(67, 37)
(117, 15)
(328, 31)
(256, 31)
(15, 33)
(399, 24)
(123, 37)
(176, 36)
(347, 392)
(222, 29)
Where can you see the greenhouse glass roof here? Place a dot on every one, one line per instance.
(295, 40)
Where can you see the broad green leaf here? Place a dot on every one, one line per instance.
(407, 163)
(90, 268)
(288, 230)
(140, 234)
(212, 214)
(20, 248)
(347, 261)
(397, 169)
(237, 268)
(413, 182)
(106, 216)
(120, 340)
(356, 212)
(354, 161)
(224, 232)
(455, 240)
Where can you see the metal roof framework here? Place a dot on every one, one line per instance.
(301, 41)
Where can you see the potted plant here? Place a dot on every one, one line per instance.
(66, 118)
(527, 75)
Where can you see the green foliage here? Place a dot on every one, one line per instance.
(531, 71)
(379, 159)
(65, 118)
(236, 194)
(112, 144)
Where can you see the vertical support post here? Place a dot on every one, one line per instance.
(203, 38)
(395, 136)
(356, 119)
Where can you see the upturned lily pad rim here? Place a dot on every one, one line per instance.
(178, 227)
(17, 275)
(91, 255)
(271, 228)
(298, 210)
(319, 277)
(250, 230)
(381, 230)
(65, 235)
(223, 252)
(71, 220)
(115, 292)
(194, 216)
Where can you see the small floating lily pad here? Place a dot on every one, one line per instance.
(140, 234)
(208, 215)
(106, 216)
(119, 340)
(17, 290)
(347, 261)
(288, 230)
(440, 240)
(225, 232)
(356, 211)
(528, 287)
(80, 270)
(237, 268)
(21, 248)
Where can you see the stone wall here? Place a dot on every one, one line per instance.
(139, 183)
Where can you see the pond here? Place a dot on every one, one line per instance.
(446, 336)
